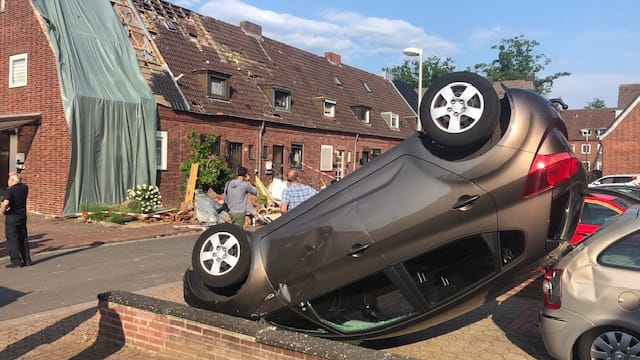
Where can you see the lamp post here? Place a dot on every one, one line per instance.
(411, 51)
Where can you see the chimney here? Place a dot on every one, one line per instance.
(333, 58)
(251, 28)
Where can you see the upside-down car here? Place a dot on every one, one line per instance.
(415, 237)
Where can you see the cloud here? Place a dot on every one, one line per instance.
(579, 89)
(347, 33)
(484, 34)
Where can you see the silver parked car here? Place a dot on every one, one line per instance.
(592, 295)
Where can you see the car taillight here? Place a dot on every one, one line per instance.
(548, 171)
(552, 289)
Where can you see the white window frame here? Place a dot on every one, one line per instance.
(161, 160)
(366, 111)
(12, 61)
(2, 5)
(393, 120)
(329, 108)
(586, 148)
(326, 157)
(573, 148)
(282, 99)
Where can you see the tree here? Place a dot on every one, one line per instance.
(432, 68)
(212, 172)
(517, 60)
(596, 103)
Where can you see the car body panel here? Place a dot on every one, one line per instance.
(593, 293)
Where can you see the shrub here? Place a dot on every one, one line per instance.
(147, 197)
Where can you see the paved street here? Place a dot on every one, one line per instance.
(63, 278)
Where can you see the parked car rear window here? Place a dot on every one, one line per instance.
(624, 253)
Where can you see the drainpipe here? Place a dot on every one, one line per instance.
(355, 152)
(260, 134)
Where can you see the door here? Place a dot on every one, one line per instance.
(234, 156)
(278, 160)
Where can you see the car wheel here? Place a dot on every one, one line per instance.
(609, 343)
(460, 109)
(222, 256)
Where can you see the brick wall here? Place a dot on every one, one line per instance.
(621, 148)
(169, 329)
(46, 146)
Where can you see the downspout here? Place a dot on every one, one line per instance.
(355, 152)
(260, 134)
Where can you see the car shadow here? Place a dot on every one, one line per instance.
(514, 313)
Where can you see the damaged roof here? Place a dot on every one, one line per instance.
(188, 47)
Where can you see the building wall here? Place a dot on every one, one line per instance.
(47, 145)
(179, 124)
(622, 148)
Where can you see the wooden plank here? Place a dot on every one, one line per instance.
(191, 185)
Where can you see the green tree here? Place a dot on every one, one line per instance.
(212, 172)
(432, 68)
(518, 60)
(596, 103)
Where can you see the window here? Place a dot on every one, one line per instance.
(265, 152)
(366, 86)
(296, 158)
(326, 157)
(18, 70)
(329, 108)
(587, 165)
(161, 150)
(445, 273)
(624, 253)
(600, 149)
(364, 305)
(573, 148)
(585, 132)
(586, 148)
(375, 153)
(393, 120)
(599, 165)
(215, 145)
(218, 86)
(362, 113)
(282, 99)
(601, 131)
(2, 5)
(595, 213)
(250, 152)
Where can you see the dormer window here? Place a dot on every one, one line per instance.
(361, 112)
(218, 85)
(282, 99)
(329, 108)
(393, 120)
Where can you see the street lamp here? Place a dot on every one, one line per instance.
(411, 51)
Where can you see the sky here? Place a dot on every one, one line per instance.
(597, 42)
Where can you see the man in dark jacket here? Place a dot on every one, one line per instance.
(236, 196)
(14, 208)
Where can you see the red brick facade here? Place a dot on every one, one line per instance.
(621, 145)
(47, 145)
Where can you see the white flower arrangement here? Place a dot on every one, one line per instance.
(148, 195)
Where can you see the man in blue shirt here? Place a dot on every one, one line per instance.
(295, 193)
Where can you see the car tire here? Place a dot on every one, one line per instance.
(221, 256)
(608, 339)
(460, 109)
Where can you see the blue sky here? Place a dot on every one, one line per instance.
(598, 42)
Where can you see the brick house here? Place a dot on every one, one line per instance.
(620, 141)
(584, 127)
(274, 107)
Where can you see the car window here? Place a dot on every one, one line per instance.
(624, 253)
(596, 214)
(368, 304)
(446, 272)
(606, 181)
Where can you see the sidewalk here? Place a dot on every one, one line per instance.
(48, 234)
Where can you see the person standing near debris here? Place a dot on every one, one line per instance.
(235, 196)
(295, 193)
(14, 208)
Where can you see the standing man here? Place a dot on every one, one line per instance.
(235, 196)
(14, 208)
(295, 193)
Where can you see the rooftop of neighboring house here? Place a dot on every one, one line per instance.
(627, 93)
(222, 69)
(589, 120)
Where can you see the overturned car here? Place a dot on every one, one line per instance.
(419, 235)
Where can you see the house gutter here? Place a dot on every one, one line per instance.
(260, 135)
(355, 151)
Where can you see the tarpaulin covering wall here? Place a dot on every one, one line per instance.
(109, 106)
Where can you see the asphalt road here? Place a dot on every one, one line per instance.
(65, 278)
